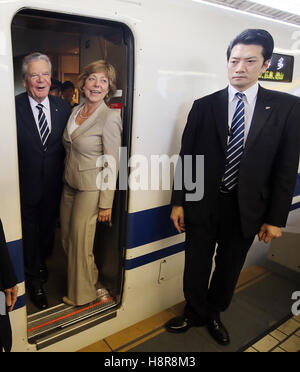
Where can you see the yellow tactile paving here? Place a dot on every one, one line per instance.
(138, 330)
(98, 347)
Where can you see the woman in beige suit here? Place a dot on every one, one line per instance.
(93, 132)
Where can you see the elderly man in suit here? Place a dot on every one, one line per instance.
(8, 293)
(250, 139)
(41, 120)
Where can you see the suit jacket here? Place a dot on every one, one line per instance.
(7, 275)
(40, 172)
(268, 168)
(99, 135)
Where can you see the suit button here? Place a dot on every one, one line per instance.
(106, 164)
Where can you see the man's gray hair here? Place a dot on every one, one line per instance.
(36, 56)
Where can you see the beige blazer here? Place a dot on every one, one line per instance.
(99, 135)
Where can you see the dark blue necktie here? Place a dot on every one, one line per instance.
(43, 126)
(235, 147)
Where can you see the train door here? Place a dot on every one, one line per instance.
(72, 42)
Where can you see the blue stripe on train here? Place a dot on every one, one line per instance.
(20, 302)
(154, 224)
(154, 256)
(297, 189)
(295, 206)
(149, 226)
(145, 227)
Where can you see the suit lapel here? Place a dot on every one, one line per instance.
(89, 122)
(262, 111)
(220, 110)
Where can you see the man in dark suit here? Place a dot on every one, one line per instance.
(8, 293)
(250, 139)
(41, 119)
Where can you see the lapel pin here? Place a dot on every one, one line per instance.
(267, 107)
(56, 110)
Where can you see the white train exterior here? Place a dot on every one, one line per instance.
(179, 55)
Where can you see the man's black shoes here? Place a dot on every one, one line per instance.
(37, 295)
(181, 324)
(218, 331)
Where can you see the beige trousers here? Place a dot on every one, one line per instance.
(78, 214)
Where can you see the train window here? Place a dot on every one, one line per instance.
(72, 42)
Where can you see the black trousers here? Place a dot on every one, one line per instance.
(224, 229)
(5, 333)
(38, 226)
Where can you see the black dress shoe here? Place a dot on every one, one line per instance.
(179, 324)
(38, 296)
(218, 331)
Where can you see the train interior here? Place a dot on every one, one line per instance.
(72, 43)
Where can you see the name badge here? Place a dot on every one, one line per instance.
(2, 303)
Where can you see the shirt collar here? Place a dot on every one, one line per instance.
(250, 93)
(34, 103)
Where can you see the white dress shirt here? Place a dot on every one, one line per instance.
(35, 110)
(249, 101)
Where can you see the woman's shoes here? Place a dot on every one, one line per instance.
(67, 301)
(103, 294)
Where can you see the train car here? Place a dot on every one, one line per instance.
(167, 53)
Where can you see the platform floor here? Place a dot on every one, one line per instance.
(259, 320)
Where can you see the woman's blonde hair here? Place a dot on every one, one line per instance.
(96, 67)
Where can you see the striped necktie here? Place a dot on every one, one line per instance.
(43, 126)
(235, 147)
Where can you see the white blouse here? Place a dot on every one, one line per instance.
(73, 126)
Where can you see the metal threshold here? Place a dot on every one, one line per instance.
(59, 322)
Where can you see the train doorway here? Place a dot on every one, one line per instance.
(72, 42)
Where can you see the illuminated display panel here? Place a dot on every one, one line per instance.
(280, 69)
